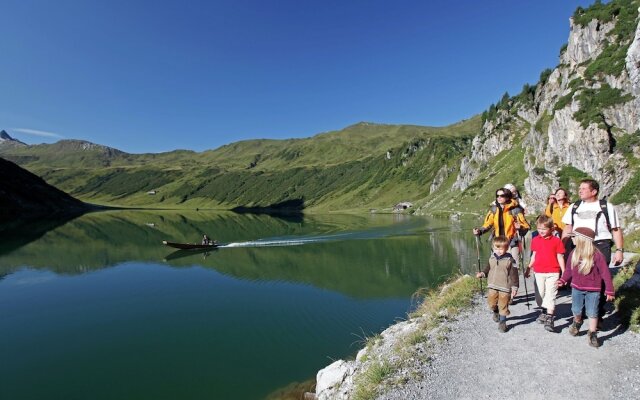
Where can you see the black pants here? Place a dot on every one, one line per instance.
(605, 248)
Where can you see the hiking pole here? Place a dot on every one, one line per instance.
(478, 251)
(524, 278)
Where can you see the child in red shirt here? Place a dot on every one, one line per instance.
(547, 262)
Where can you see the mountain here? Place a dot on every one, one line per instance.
(360, 166)
(581, 119)
(7, 141)
(25, 194)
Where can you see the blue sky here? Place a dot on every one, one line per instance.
(152, 76)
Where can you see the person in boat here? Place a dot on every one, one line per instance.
(206, 240)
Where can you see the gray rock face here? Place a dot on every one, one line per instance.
(633, 64)
(585, 43)
(566, 142)
(494, 139)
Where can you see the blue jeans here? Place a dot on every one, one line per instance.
(589, 300)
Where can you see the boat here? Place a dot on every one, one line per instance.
(180, 253)
(190, 246)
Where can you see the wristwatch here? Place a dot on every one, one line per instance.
(620, 249)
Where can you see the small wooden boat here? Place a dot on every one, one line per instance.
(190, 246)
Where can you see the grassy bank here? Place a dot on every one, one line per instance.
(385, 356)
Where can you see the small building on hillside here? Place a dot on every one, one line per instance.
(402, 206)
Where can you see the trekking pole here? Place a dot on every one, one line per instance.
(524, 278)
(478, 251)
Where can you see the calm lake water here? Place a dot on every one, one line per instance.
(97, 308)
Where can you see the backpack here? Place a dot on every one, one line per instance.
(514, 211)
(603, 210)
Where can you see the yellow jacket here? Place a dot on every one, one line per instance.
(503, 220)
(556, 214)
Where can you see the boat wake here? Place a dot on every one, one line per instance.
(281, 242)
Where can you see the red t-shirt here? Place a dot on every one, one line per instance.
(547, 250)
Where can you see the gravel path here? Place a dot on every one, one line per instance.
(527, 362)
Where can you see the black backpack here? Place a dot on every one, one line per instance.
(603, 210)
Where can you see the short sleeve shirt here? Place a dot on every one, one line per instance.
(585, 217)
(547, 250)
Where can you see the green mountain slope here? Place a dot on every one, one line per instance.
(25, 194)
(361, 166)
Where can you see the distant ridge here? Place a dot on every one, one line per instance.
(7, 140)
(23, 194)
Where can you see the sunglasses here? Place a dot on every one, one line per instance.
(501, 195)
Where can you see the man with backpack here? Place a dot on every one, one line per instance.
(602, 218)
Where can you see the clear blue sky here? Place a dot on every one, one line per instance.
(152, 76)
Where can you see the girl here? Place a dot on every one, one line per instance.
(586, 270)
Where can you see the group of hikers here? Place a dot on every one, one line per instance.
(571, 246)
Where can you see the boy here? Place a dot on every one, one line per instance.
(547, 261)
(502, 280)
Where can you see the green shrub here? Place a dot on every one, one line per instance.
(627, 142)
(593, 101)
(629, 192)
(563, 48)
(569, 176)
(527, 95)
(544, 76)
(539, 171)
(612, 59)
(602, 12)
(563, 101)
(627, 299)
(119, 181)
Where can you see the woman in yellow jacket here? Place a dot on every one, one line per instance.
(556, 211)
(506, 219)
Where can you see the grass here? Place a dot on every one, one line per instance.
(367, 384)
(439, 304)
(628, 298)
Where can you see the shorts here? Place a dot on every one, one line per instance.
(589, 300)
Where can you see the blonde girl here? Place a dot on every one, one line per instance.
(586, 270)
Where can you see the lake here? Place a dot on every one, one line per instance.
(98, 308)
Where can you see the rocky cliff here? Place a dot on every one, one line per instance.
(583, 115)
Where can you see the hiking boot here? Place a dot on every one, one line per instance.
(574, 329)
(496, 316)
(548, 324)
(502, 326)
(593, 339)
(542, 318)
